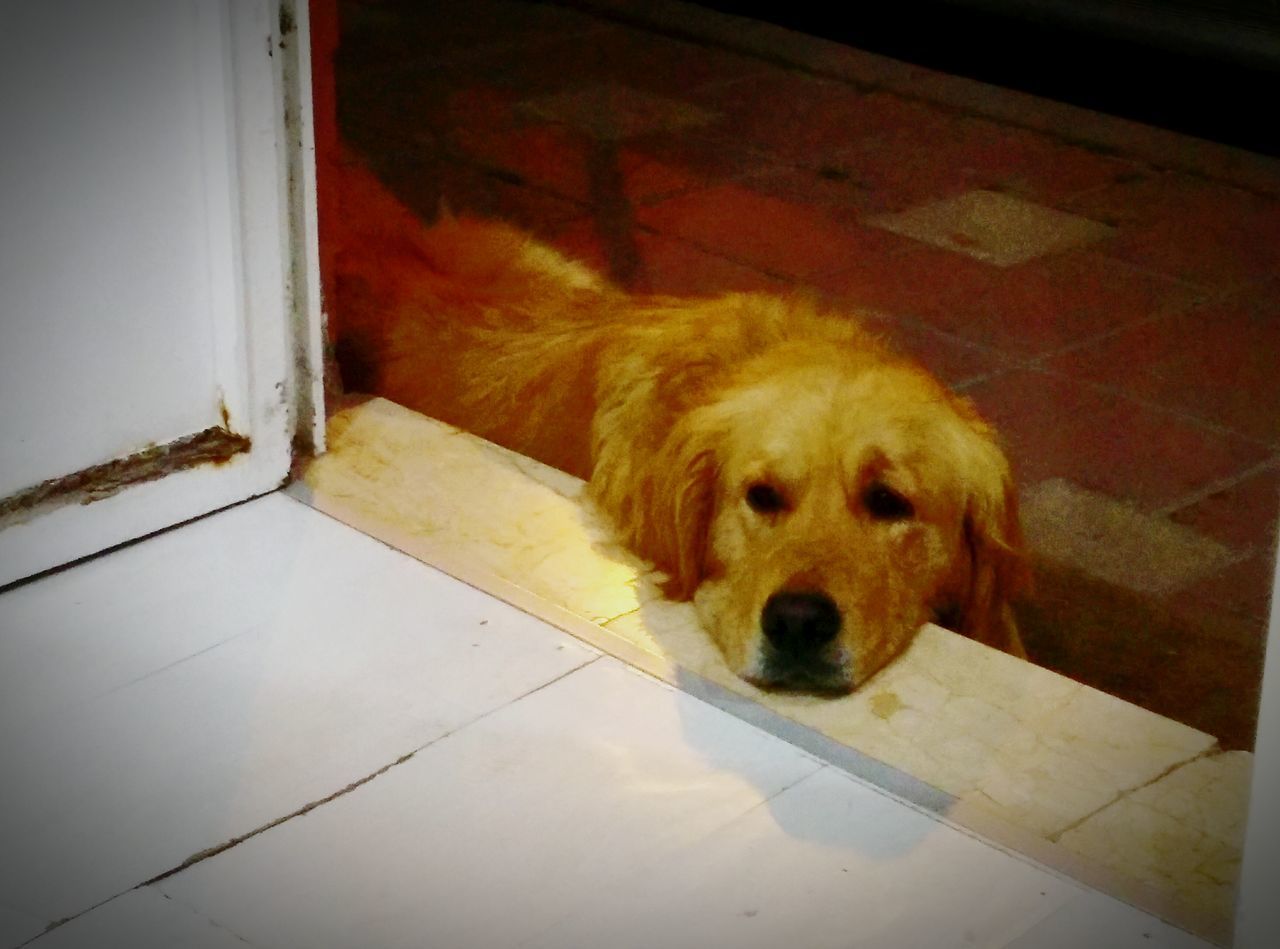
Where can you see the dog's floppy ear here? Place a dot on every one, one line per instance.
(662, 503)
(997, 569)
(991, 568)
(680, 508)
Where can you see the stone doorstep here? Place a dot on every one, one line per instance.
(1113, 795)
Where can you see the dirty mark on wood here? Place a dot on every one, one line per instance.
(211, 446)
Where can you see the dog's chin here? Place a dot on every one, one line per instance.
(813, 677)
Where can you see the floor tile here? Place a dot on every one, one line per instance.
(1028, 310)
(493, 834)
(955, 361)
(1189, 228)
(1058, 427)
(828, 185)
(426, 184)
(141, 919)
(338, 656)
(612, 111)
(1216, 362)
(1047, 304)
(567, 162)
(1037, 167)
(805, 118)
(1115, 542)
(779, 237)
(941, 154)
(908, 279)
(667, 265)
(709, 159)
(1193, 820)
(673, 267)
(1193, 662)
(1244, 513)
(906, 168)
(822, 864)
(1094, 919)
(76, 636)
(993, 227)
(1243, 589)
(895, 170)
(17, 927)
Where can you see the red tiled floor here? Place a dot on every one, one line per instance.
(667, 265)
(1102, 441)
(716, 161)
(805, 118)
(1217, 362)
(1029, 309)
(1243, 515)
(779, 237)
(618, 53)
(898, 154)
(940, 155)
(1205, 233)
(419, 109)
(427, 185)
(1242, 589)
(955, 362)
(574, 165)
(1033, 165)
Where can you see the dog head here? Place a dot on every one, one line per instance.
(819, 507)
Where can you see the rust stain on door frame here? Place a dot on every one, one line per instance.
(212, 446)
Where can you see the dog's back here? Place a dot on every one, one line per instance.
(468, 321)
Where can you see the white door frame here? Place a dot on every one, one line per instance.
(256, 75)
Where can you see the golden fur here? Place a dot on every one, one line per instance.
(774, 460)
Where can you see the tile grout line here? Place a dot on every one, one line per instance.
(1179, 414)
(1221, 484)
(716, 252)
(201, 855)
(1210, 752)
(1204, 297)
(820, 766)
(207, 918)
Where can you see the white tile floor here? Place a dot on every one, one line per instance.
(412, 763)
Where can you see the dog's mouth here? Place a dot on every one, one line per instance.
(814, 676)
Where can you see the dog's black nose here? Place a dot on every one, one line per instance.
(799, 623)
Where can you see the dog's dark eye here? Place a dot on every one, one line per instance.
(885, 504)
(765, 498)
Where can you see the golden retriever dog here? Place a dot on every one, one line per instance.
(816, 495)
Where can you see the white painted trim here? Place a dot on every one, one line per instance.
(305, 247)
(262, 172)
(212, 53)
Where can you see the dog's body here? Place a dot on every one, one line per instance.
(816, 495)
